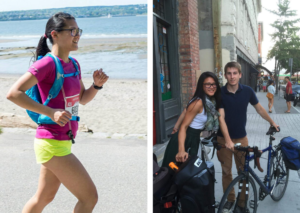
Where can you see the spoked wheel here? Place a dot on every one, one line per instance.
(240, 183)
(279, 176)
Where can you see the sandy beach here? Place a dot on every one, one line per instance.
(86, 45)
(120, 107)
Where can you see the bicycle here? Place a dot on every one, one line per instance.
(274, 184)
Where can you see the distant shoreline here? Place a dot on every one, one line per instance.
(78, 12)
(31, 19)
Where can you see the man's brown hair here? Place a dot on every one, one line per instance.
(287, 77)
(231, 65)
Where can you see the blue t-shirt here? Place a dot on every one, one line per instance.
(235, 107)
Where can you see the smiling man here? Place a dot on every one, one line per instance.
(233, 111)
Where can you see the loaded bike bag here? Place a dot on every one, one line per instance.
(164, 190)
(290, 148)
(196, 185)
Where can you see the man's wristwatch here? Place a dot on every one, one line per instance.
(96, 87)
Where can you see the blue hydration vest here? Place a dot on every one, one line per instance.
(34, 92)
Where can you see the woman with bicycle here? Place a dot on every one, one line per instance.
(201, 112)
(52, 144)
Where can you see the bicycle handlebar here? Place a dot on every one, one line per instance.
(254, 149)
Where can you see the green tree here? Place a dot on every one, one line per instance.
(287, 42)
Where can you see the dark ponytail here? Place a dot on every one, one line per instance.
(42, 48)
(56, 22)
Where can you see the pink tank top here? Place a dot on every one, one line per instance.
(44, 71)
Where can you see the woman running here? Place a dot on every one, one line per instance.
(200, 113)
(53, 142)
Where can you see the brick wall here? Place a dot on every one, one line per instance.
(188, 47)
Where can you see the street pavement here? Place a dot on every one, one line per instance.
(117, 167)
(256, 132)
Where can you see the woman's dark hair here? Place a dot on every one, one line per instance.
(56, 22)
(271, 82)
(199, 93)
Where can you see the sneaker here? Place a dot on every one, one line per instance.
(227, 207)
(239, 209)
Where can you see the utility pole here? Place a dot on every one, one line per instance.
(291, 64)
(276, 78)
(216, 16)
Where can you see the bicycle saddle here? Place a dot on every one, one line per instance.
(272, 130)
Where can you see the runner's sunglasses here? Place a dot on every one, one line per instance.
(74, 31)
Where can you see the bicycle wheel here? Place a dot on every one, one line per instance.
(252, 194)
(279, 176)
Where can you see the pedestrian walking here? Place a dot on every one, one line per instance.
(270, 95)
(288, 92)
(53, 142)
(264, 86)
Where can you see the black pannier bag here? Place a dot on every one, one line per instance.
(195, 180)
(164, 190)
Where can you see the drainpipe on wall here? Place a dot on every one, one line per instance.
(216, 16)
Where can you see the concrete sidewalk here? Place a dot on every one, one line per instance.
(256, 131)
(117, 167)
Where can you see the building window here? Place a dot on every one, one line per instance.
(159, 7)
(165, 83)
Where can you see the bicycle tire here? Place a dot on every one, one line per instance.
(278, 164)
(231, 185)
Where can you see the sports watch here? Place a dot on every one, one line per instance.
(96, 87)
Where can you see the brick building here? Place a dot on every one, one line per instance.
(175, 61)
(192, 36)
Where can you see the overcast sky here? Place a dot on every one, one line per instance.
(10, 5)
(267, 18)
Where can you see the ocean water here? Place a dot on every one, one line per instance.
(116, 64)
(119, 27)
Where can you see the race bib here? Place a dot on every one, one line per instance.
(72, 104)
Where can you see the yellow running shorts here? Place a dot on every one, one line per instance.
(45, 149)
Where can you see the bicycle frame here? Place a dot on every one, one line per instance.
(247, 169)
(267, 188)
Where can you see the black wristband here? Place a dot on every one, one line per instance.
(96, 87)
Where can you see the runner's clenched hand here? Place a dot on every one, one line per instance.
(99, 77)
(61, 117)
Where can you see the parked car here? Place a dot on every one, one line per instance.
(297, 94)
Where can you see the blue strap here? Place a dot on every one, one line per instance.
(75, 118)
(43, 119)
(71, 74)
(59, 80)
(75, 64)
